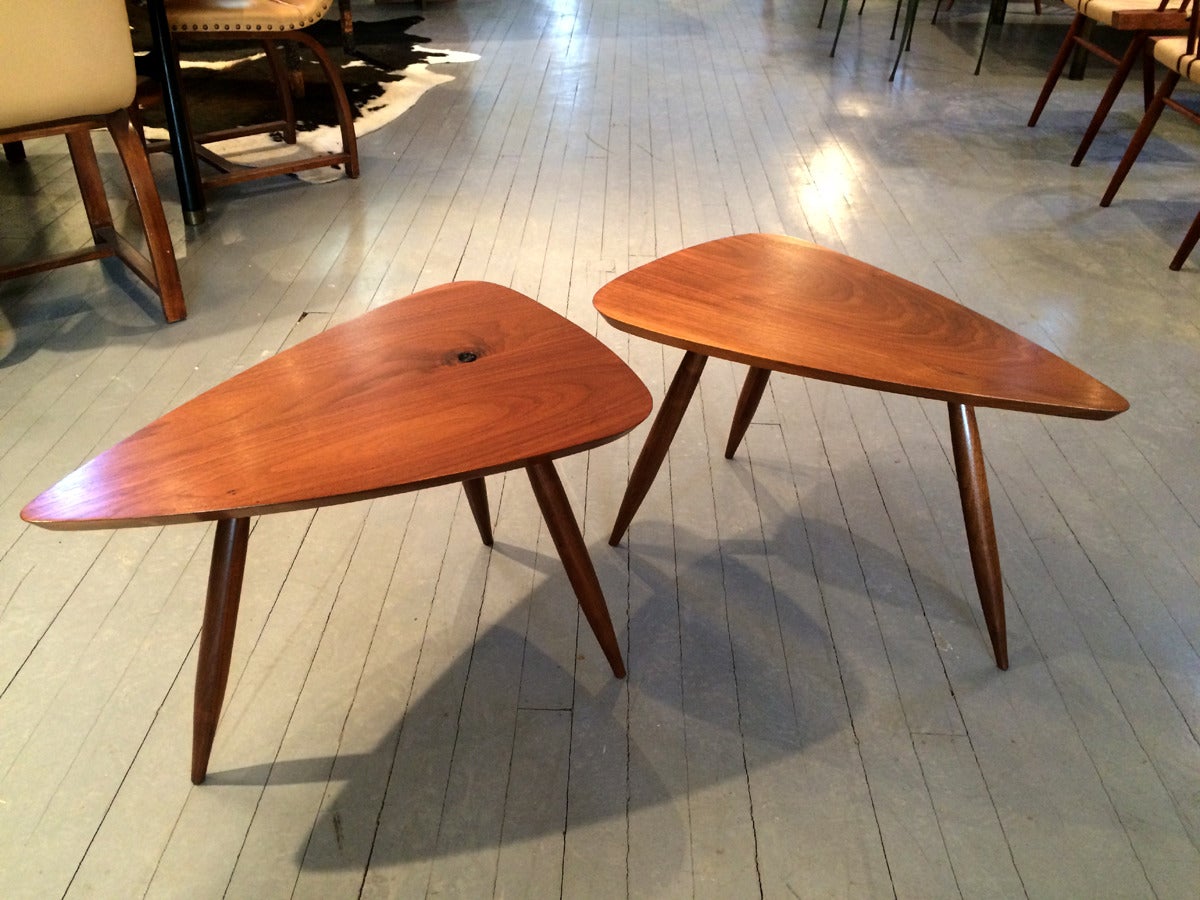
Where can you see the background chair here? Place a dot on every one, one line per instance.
(269, 23)
(1138, 18)
(67, 68)
(997, 10)
(1181, 56)
(842, 20)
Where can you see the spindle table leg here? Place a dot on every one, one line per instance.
(666, 423)
(981, 531)
(564, 529)
(216, 637)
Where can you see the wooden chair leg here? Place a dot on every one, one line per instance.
(290, 41)
(283, 90)
(216, 637)
(346, 17)
(476, 492)
(1132, 53)
(344, 113)
(1079, 58)
(556, 510)
(1139, 137)
(1056, 67)
(1188, 245)
(160, 271)
(91, 184)
(1148, 73)
(747, 404)
(981, 531)
(666, 423)
(292, 63)
(14, 152)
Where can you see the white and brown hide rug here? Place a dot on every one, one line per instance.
(230, 84)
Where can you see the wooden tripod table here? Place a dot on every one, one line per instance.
(448, 385)
(777, 303)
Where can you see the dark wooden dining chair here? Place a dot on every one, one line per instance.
(67, 68)
(1181, 57)
(269, 23)
(1139, 19)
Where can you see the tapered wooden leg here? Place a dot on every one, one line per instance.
(344, 113)
(748, 400)
(283, 89)
(1056, 67)
(91, 185)
(1134, 52)
(476, 492)
(1079, 58)
(1140, 135)
(1148, 75)
(556, 510)
(160, 271)
(666, 423)
(216, 637)
(981, 531)
(1189, 244)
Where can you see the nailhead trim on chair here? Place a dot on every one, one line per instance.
(289, 27)
(197, 19)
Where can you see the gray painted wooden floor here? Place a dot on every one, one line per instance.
(811, 708)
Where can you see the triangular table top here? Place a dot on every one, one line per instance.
(454, 382)
(788, 305)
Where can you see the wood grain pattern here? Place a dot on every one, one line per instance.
(385, 403)
(780, 303)
(451, 384)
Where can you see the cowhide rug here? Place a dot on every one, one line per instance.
(230, 84)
